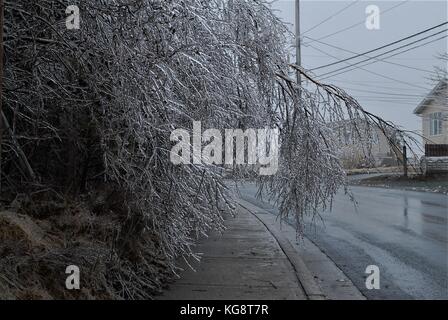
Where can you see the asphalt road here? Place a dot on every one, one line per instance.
(404, 233)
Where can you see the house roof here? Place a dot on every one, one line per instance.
(441, 85)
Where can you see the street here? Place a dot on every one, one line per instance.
(404, 233)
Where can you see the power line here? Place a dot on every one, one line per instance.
(352, 52)
(387, 93)
(400, 59)
(392, 102)
(369, 81)
(371, 84)
(375, 73)
(387, 52)
(380, 98)
(395, 103)
(330, 17)
(414, 101)
(389, 102)
(380, 60)
(384, 46)
(358, 23)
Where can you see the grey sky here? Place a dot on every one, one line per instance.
(393, 100)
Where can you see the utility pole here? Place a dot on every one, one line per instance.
(298, 42)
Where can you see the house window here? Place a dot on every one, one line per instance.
(435, 124)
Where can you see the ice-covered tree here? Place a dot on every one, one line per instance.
(96, 106)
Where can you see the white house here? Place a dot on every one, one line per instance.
(434, 113)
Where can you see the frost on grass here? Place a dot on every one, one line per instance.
(93, 109)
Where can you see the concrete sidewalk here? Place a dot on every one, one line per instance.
(254, 260)
(318, 274)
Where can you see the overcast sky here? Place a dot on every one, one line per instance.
(395, 99)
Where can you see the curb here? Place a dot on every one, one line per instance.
(303, 274)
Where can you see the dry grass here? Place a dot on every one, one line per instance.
(42, 238)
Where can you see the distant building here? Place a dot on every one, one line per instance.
(434, 113)
(353, 152)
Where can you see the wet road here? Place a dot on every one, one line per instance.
(404, 233)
